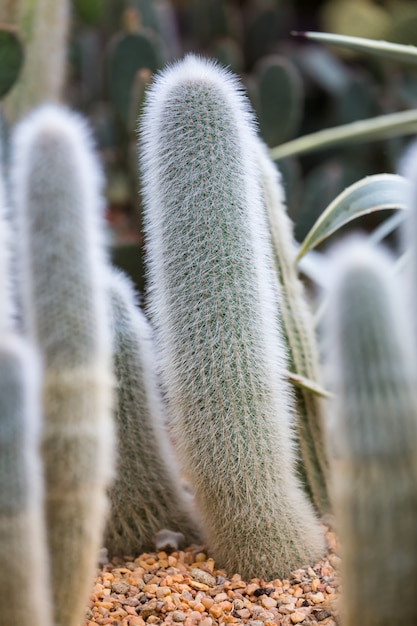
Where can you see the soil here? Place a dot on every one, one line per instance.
(184, 587)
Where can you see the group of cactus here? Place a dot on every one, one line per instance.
(86, 377)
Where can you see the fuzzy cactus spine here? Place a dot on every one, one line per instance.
(56, 185)
(213, 304)
(298, 328)
(146, 496)
(372, 437)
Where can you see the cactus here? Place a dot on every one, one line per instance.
(24, 583)
(213, 303)
(44, 26)
(298, 327)
(129, 53)
(11, 58)
(146, 496)
(372, 433)
(280, 98)
(7, 307)
(90, 11)
(56, 186)
(408, 168)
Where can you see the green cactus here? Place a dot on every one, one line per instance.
(280, 98)
(11, 58)
(56, 186)
(90, 11)
(298, 328)
(372, 435)
(213, 303)
(146, 496)
(129, 53)
(24, 576)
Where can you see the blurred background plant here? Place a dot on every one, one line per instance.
(115, 47)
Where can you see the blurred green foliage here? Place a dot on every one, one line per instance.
(296, 86)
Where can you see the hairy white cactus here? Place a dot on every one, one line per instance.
(24, 574)
(214, 304)
(372, 434)
(56, 184)
(147, 495)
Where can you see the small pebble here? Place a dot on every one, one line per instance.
(269, 603)
(120, 587)
(321, 615)
(317, 598)
(179, 616)
(203, 577)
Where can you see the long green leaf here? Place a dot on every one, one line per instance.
(386, 49)
(373, 193)
(381, 127)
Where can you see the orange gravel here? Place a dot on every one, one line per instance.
(185, 588)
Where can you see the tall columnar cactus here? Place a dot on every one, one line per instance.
(62, 265)
(372, 432)
(146, 496)
(24, 584)
(214, 304)
(298, 328)
(24, 580)
(43, 25)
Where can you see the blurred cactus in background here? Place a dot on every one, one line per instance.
(147, 495)
(24, 577)
(61, 278)
(372, 432)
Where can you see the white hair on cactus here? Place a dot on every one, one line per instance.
(24, 577)
(147, 495)
(62, 267)
(372, 435)
(214, 306)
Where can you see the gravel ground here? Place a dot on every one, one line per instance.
(186, 588)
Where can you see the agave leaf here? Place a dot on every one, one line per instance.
(381, 127)
(301, 381)
(370, 194)
(386, 49)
